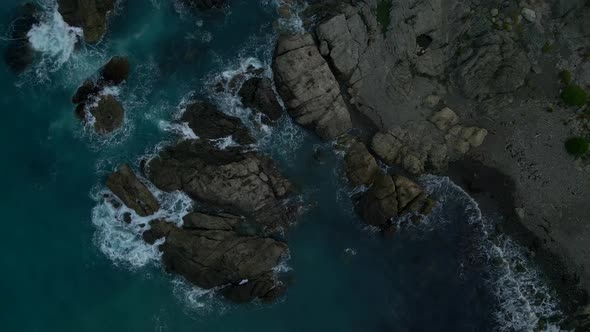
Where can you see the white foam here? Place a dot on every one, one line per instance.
(54, 38)
(181, 129)
(294, 23)
(516, 282)
(224, 142)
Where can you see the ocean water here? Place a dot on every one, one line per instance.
(68, 265)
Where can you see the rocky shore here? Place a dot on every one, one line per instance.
(459, 88)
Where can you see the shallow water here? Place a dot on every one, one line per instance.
(68, 265)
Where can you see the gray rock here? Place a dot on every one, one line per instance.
(132, 192)
(361, 167)
(209, 252)
(444, 119)
(308, 87)
(90, 15)
(244, 183)
(258, 94)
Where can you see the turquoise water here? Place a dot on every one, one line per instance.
(68, 267)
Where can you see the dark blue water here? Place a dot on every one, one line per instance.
(67, 267)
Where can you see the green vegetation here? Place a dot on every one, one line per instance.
(383, 14)
(547, 48)
(574, 95)
(566, 76)
(577, 146)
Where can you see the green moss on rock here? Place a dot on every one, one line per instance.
(577, 146)
(574, 95)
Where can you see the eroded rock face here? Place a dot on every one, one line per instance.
(18, 53)
(209, 251)
(245, 183)
(360, 166)
(257, 93)
(132, 192)
(209, 123)
(90, 15)
(95, 102)
(308, 87)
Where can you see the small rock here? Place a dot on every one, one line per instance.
(431, 101)
(494, 12)
(529, 15)
(520, 212)
(444, 119)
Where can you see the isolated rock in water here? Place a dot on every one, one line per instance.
(18, 53)
(361, 167)
(244, 183)
(308, 87)
(125, 185)
(257, 93)
(90, 15)
(108, 114)
(209, 123)
(92, 99)
(209, 252)
(116, 71)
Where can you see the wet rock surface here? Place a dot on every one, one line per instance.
(90, 15)
(99, 105)
(258, 94)
(132, 192)
(210, 123)
(209, 252)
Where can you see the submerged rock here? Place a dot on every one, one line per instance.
(90, 15)
(210, 123)
(257, 93)
(308, 87)
(209, 252)
(19, 53)
(132, 192)
(244, 183)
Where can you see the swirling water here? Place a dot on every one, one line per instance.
(68, 265)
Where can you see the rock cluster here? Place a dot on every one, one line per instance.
(427, 146)
(96, 102)
(90, 15)
(211, 251)
(230, 248)
(308, 87)
(257, 93)
(388, 196)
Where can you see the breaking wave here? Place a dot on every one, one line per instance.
(524, 301)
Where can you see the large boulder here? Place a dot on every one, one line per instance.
(209, 123)
(19, 54)
(244, 183)
(90, 15)
(132, 192)
(393, 196)
(360, 166)
(258, 94)
(308, 87)
(107, 114)
(210, 251)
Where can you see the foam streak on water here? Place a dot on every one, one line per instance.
(523, 297)
(54, 38)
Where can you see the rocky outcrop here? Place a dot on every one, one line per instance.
(244, 183)
(18, 53)
(210, 251)
(211, 124)
(308, 87)
(97, 104)
(388, 196)
(132, 192)
(427, 146)
(258, 94)
(90, 15)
